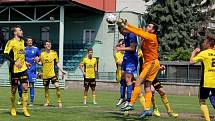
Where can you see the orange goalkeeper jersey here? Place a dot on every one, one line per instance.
(149, 44)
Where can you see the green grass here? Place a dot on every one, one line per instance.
(74, 110)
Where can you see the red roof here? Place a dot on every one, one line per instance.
(103, 5)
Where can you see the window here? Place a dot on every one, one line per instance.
(89, 36)
(45, 32)
(111, 28)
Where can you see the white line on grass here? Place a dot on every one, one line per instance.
(36, 108)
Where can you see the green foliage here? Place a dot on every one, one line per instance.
(179, 54)
(177, 19)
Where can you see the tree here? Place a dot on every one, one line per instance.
(178, 20)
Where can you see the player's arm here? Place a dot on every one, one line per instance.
(81, 66)
(58, 64)
(40, 62)
(140, 32)
(37, 58)
(195, 57)
(132, 47)
(60, 68)
(7, 51)
(95, 67)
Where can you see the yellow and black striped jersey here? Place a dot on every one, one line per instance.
(48, 61)
(207, 57)
(16, 49)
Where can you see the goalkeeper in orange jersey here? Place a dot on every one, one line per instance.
(156, 84)
(151, 64)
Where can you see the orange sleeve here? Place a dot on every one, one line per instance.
(140, 32)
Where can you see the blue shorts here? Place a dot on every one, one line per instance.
(32, 77)
(130, 66)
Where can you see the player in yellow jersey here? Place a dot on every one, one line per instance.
(15, 53)
(207, 84)
(118, 59)
(48, 59)
(88, 67)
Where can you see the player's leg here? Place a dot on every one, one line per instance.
(20, 94)
(31, 80)
(156, 111)
(25, 99)
(129, 83)
(46, 87)
(93, 88)
(137, 88)
(55, 81)
(136, 92)
(86, 88)
(122, 89)
(153, 68)
(31, 93)
(24, 82)
(14, 84)
(142, 100)
(204, 94)
(166, 102)
(212, 100)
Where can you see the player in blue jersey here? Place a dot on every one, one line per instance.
(130, 61)
(32, 54)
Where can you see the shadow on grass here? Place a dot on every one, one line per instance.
(120, 116)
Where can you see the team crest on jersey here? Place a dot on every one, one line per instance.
(32, 51)
(47, 61)
(21, 51)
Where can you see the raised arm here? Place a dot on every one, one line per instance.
(141, 33)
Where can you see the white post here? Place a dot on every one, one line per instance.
(61, 35)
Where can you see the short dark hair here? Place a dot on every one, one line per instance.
(14, 28)
(89, 49)
(49, 41)
(120, 40)
(210, 40)
(155, 26)
(29, 37)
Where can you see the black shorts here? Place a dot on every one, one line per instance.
(156, 84)
(21, 77)
(52, 79)
(204, 92)
(89, 83)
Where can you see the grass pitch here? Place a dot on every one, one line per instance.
(74, 110)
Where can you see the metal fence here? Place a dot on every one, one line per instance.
(174, 74)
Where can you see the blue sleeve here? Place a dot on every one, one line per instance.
(133, 38)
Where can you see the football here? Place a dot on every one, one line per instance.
(111, 18)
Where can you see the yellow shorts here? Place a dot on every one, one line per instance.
(150, 70)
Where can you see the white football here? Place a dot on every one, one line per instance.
(111, 18)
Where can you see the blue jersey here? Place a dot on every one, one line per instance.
(130, 38)
(130, 60)
(30, 53)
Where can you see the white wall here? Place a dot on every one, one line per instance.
(138, 6)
